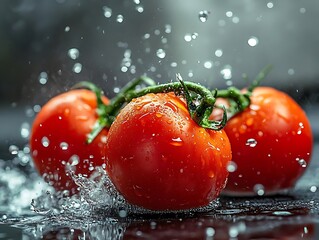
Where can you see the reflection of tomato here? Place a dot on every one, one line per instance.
(219, 228)
(271, 143)
(159, 158)
(58, 138)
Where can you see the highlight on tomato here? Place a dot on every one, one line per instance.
(159, 158)
(59, 138)
(271, 143)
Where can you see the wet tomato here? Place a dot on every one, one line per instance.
(58, 138)
(160, 159)
(271, 143)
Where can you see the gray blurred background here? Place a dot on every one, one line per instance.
(49, 45)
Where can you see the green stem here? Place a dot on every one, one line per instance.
(240, 101)
(105, 119)
(200, 114)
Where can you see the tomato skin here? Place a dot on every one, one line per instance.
(271, 144)
(59, 135)
(160, 159)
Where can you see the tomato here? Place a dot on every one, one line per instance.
(58, 138)
(271, 143)
(160, 159)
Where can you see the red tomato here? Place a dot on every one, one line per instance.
(160, 159)
(58, 138)
(271, 143)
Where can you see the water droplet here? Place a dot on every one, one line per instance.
(122, 213)
(174, 64)
(259, 189)
(45, 142)
(253, 41)
(251, 142)
(313, 189)
(302, 10)
(233, 232)
(235, 19)
(107, 12)
(301, 162)
(161, 53)
(64, 145)
(291, 71)
(177, 142)
(74, 160)
(168, 28)
(43, 78)
(229, 14)
(77, 68)
(194, 35)
(226, 72)
(157, 32)
(208, 64)
(73, 53)
(203, 15)
(67, 29)
(188, 37)
(270, 5)
(25, 130)
(210, 232)
(13, 149)
(219, 53)
(119, 18)
(231, 166)
(36, 108)
(139, 8)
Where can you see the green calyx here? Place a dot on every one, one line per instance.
(200, 100)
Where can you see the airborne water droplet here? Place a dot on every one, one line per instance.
(25, 130)
(107, 12)
(253, 41)
(73, 53)
(77, 68)
(13, 149)
(231, 166)
(119, 18)
(203, 15)
(188, 37)
(161, 53)
(43, 78)
(259, 189)
(226, 72)
(208, 64)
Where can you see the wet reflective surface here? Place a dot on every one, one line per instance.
(294, 215)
